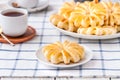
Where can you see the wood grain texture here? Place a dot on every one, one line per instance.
(29, 34)
(59, 79)
(82, 78)
(27, 79)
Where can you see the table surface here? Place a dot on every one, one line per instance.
(65, 78)
(21, 61)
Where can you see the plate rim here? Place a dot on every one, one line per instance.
(117, 35)
(64, 65)
(32, 9)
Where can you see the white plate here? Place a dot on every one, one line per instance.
(87, 36)
(88, 57)
(42, 5)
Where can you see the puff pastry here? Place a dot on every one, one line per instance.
(97, 31)
(65, 52)
(82, 18)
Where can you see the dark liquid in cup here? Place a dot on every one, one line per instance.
(13, 14)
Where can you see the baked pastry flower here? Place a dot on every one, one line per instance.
(97, 30)
(89, 18)
(65, 52)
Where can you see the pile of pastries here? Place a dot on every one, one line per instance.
(89, 18)
(66, 52)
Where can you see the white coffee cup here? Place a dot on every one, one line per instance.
(14, 25)
(27, 3)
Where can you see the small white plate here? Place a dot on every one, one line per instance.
(86, 36)
(42, 5)
(88, 57)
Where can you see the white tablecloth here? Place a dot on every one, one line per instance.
(20, 60)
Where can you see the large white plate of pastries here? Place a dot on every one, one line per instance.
(89, 20)
(72, 55)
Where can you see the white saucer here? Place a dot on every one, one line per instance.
(3, 6)
(42, 5)
(88, 57)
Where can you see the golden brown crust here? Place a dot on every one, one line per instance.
(65, 52)
(75, 17)
(96, 1)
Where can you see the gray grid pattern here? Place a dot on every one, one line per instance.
(20, 60)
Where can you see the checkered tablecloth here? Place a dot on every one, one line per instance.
(20, 60)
